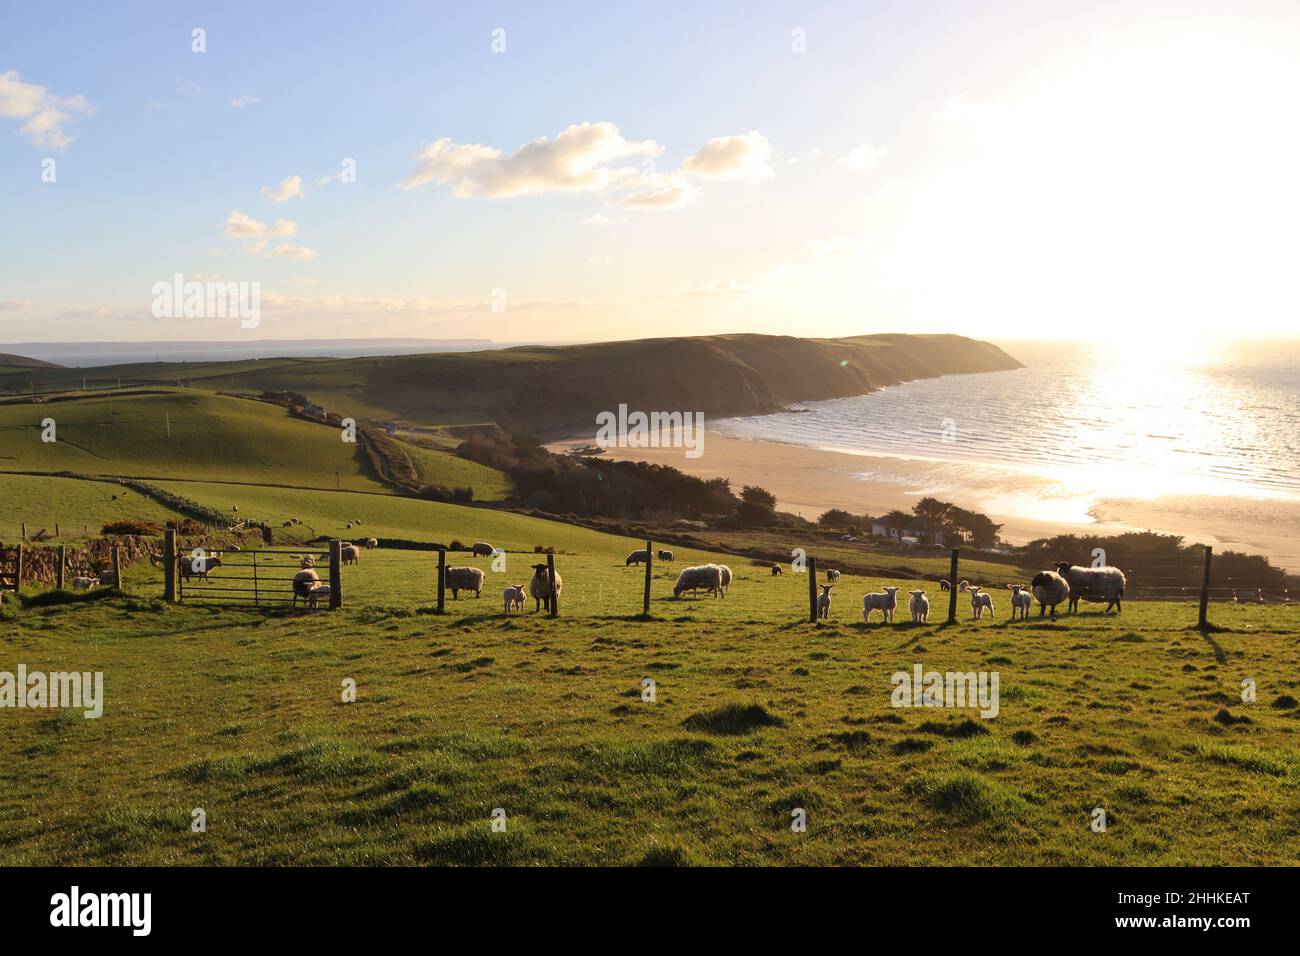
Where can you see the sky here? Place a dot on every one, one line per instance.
(565, 171)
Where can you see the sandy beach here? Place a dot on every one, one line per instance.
(809, 481)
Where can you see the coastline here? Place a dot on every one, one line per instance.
(808, 481)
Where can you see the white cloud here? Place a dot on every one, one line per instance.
(862, 158)
(290, 188)
(286, 250)
(653, 191)
(13, 305)
(43, 114)
(745, 158)
(245, 99)
(576, 161)
(240, 226)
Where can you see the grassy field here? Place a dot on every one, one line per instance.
(188, 434)
(80, 508)
(757, 713)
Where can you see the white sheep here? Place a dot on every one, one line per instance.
(304, 582)
(1050, 589)
(1094, 584)
(350, 553)
(82, 584)
(919, 605)
(964, 586)
(884, 601)
(537, 587)
(321, 592)
(979, 601)
(372, 543)
(665, 555)
(824, 601)
(512, 598)
(776, 571)
(463, 579)
(702, 576)
(639, 556)
(1020, 601)
(108, 578)
(725, 578)
(481, 549)
(832, 575)
(945, 584)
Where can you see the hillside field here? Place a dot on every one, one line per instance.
(757, 713)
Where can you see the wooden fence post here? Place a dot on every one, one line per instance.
(117, 568)
(442, 580)
(57, 532)
(952, 589)
(812, 590)
(169, 564)
(645, 601)
(336, 574)
(24, 530)
(18, 569)
(550, 584)
(1202, 623)
(58, 573)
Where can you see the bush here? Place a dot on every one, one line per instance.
(456, 545)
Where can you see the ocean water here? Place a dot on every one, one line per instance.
(1079, 423)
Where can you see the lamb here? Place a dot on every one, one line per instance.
(979, 601)
(1050, 589)
(706, 576)
(776, 571)
(512, 598)
(372, 543)
(884, 601)
(483, 549)
(1020, 601)
(463, 579)
(832, 575)
(537, 587)
(824, 601)
(665, 555)
(350, 554)
(919, 606)
(304, 582)
(637, 557)
(190, 567)
(308, 561)
(320, 592)
(1094, 584)
(82, 584)
(726, 578)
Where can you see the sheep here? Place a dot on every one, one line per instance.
(82, 584)
(372, 543)
(665, 555)
(1094, 584)
(963, 586)
(776, 571)
(832, 575)
(726, 578)
(1246, 595)
(537, 587)
(321, 592)
(824, 601)
(351, 554)
(706, 576)
(108, 578)
(919, 605)
(349, 525)
(1049, 589)
(304, 582)
(190, 567)
(307, 561)
(463, 579)
(483, 549)
(512, 598)
(637, 557)
(979, 601)
(945, 584)
(884, 601)
(1020, 601)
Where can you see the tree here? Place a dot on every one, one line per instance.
(760, 497)
(897, 520)
(836, 518)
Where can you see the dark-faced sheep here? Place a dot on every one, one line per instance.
(665, 555)
(1094, 584)
(539, 588)
(482, 549)
(1049, 590)
(194, 567)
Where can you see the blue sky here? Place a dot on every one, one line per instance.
(776, 224)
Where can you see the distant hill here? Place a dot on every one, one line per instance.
(9, 360)
(550, 389)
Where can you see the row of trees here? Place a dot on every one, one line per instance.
(930, 516)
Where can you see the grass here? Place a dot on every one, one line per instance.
(756, 713)
(80, 508)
